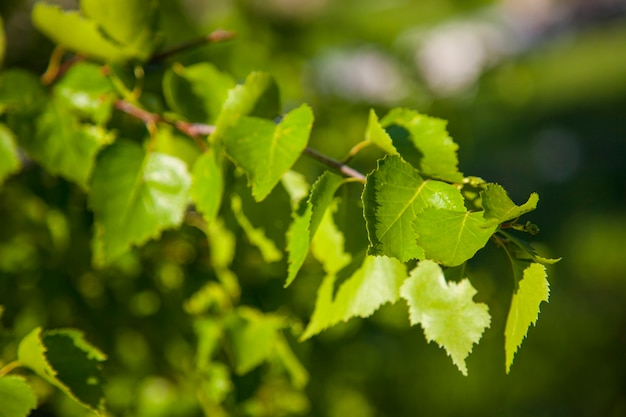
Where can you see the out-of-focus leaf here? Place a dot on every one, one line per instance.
(16, 396)
(207, 184)
(9, 155)
(20, 91)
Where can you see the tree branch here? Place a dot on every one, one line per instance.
(333, 163)
(218, 35)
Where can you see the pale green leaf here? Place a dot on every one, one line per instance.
(222, 243)
(445, 311)
(532, 290)
(296, 186)
(253, 337)
(16, 396)
(327, 245)
(207, 185)
(307, 219)
(64, 145)
(127, 22)
(86, 90)
(257, 97)
(134, 197)
(451, 237)
(9, 155)
(376, 282)
(499, 206)
(393, 196)
(72, 31)
(375, 134)
(424, 142)
(65, 359)
(265, 151)
(171, 141)
(256, 235)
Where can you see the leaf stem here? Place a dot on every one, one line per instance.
(218, 35)
(333, 163)
(9, 367)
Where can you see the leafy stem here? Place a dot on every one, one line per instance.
(6, 369)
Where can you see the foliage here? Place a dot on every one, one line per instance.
(159, 149)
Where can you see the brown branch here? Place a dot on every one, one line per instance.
(333, 163)
(218, 35)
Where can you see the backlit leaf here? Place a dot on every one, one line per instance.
(445, 311)
(134, 197)
(424, 142)
(16, 396)
(207, 186)
(499, 206)
(532, 290)
(9, 154)
(65, 359)
(451, 237)
(256, 235)
(393, 196)
(375, 134)
(265, 151)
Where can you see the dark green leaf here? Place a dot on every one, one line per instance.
(20, 92)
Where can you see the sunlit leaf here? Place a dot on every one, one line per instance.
(445, 311)
(499, 206)
(16, 396)
(207, 185)
(9, 154)
(532, 290)
(375, 134)
(393, 196)
(264, 150)
(65, 359)
(135, 196)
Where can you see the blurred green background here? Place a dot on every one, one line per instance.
(535, 95)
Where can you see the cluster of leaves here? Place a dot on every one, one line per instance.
(214, 150)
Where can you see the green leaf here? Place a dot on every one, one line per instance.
(16, 396)
(296, 186)
(170, 141)
(524, 311)
(425, 143)
(127, 22)
(375, 134)
(65, 359)
(257, 97)
(393, 196)
(499, 206)
(256, 235)
(197, 92)
(85, 89)
(20, 92)
(445, 310)
(328, 243)
(451, 237)
(307, 219)
(63, 145)
(72, 31)
(207, 185)
(376, 282)
(253, 337)
(9, 155)
(265, 151)
(134, 197)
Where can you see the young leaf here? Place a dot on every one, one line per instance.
(65, 359)
(451, 237)
(524, 311)
(433, 152)
(9, 154)
(445, 310)
(74, 32)
(394, 193)
(126, 22)
(86, 90)
(256, 236)
(134, 197)
(307, 219)
(376, 282)
(16, 396)
(375, 134)
(207, 185)
(498, 205)
(257, 97)
(265, 151)
(65, 146)
(197, 92)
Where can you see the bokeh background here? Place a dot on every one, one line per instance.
(535, 95)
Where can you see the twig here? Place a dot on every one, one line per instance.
(218, 35)
(333, 163)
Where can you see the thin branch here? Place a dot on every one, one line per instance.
(333, 163)
(218, 35)
(9, 367)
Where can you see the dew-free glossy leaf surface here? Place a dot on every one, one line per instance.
(451, 237)
(532, 290)
(445, 311)
(17, 398)
(393, 196)
(135, 196)
(264, 150)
